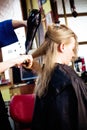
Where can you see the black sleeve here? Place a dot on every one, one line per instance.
(4, 119)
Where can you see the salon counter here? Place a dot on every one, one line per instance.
(10, 90)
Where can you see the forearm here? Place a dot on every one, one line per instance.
(6, 64)
(18, 61)
(19, 23)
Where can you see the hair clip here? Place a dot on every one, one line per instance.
(57, 24)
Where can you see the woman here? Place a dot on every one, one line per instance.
(61, 96)
(18, 61)
(7, 37)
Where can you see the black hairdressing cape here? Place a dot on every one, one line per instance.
(64, 105)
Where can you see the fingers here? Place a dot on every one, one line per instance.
(28, 62)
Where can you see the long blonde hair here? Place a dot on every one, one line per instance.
(48, 49)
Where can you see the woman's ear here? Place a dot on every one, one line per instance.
(61, 47)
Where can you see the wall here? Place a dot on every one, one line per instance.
(10, 9)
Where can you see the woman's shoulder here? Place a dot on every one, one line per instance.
(60, 76)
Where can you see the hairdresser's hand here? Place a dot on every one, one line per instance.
(24, 60)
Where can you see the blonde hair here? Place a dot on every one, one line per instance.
(53, 37)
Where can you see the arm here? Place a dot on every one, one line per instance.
(16, 62)
(19, 23)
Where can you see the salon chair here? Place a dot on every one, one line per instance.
(21, 110)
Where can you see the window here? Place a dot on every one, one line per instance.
(77, 24)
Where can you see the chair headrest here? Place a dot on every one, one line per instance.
(22, 108)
